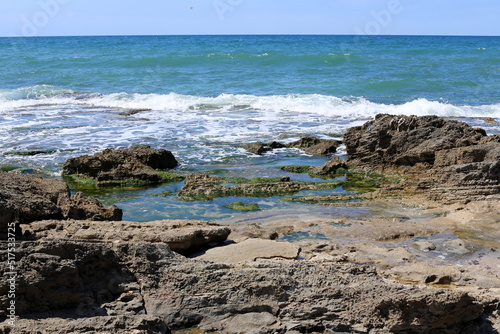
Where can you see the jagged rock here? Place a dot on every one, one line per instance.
(449, 160)
(250, 250)
(489, 152)
(180, 235)
(28, 198)
(83, 207)
(142, 324)
(330, 167)
(112, 166)
(406, 140)
(259, 148)
(316, 146)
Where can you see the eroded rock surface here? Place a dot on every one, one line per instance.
(310, 145)
(111, 167)
(28, 198)
(84, 280)
(179, 235)
(449, 161)
(391, 140)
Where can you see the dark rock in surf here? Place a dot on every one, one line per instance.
(115, 167)
(406, 140)
(315, 146)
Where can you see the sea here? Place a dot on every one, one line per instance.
(204, 97)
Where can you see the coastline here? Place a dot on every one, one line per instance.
(393, 246)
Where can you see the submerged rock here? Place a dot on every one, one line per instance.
(138, 165)
(206, 187)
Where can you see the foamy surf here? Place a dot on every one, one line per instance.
(324, 105)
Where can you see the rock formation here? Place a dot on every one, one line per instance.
(115, 167)
(310, 145)
(450, 160)
(179, 235)
(28, 198)
(146, 286)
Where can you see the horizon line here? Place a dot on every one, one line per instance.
(253, 34)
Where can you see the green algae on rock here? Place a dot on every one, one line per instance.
(240, 206)
(138, 166)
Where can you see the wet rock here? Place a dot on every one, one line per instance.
(114, 167)
(315, 146)
(424, 246)
(330, 167)
(240, 206)
(206, 187)
(406, 140)
(457, 246)
(251, 250)
(180, 235)
(260, 148)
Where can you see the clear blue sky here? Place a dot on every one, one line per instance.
(167, 17)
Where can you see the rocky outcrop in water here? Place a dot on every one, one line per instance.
(206, 187)
(308, 144)
(28, 198)
(390, 140)
(450, 160)
(128, 166)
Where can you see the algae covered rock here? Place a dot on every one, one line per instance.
(240, 206)
(140, 165)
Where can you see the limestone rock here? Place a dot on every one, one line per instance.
(180, 235)
(83, 207)
(315, 146)
(330, 167)
(28, 198)
(104, 286)
(406, 140)
(139, 324)
(111, 166)
(251, 250)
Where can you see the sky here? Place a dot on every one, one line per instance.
(198, 17)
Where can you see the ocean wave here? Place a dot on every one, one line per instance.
(325, 105)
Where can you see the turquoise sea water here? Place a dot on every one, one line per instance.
(202, 97)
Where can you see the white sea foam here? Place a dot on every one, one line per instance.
(324, 105)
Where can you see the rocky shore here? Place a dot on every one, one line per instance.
(80, 269)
